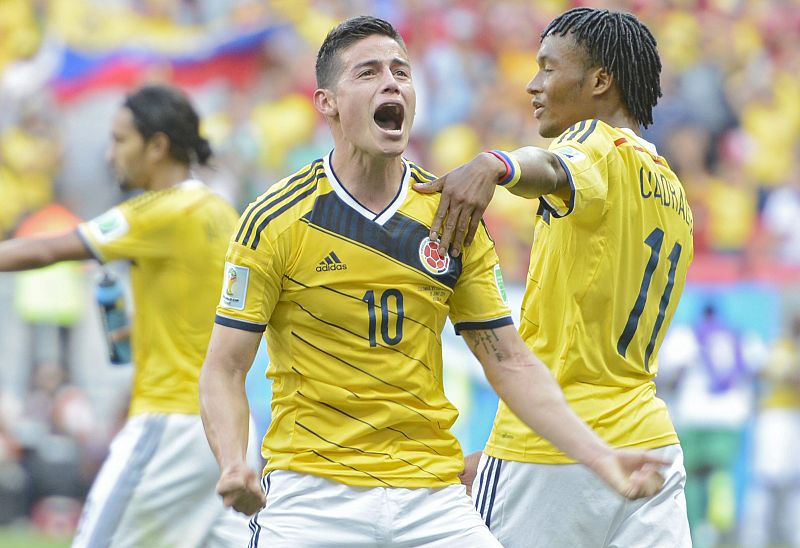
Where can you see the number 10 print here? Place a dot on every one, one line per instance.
(369, 298)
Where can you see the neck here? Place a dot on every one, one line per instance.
(617, 116)
(169, 175)
(372, 180)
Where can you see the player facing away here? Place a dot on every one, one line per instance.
(612, 244)
(335, 264)
(156, 487)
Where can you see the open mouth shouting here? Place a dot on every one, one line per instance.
(390, 117)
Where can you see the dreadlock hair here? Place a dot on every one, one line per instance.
(342, 37)
(164, 109)
(621, 44)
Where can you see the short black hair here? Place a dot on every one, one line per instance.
(342, 37)
(621, 44)
(164, 109)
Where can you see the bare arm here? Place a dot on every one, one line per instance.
(526, 386)
(225, 414)
(468, 189)
(27, 253)
(541, 173)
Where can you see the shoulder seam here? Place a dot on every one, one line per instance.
(267, 218)
(146, 199)
(259, 210)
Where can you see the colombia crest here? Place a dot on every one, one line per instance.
(431, 259)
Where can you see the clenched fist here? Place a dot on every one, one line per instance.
(240, 489)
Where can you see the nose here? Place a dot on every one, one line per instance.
(109, 154)
(535, 85)
(390, 82)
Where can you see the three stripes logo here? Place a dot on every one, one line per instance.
(331, 262)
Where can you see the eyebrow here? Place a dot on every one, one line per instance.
(374, 62)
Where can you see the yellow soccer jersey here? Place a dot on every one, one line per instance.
(176, 240)
(354, 304)
(607, 270)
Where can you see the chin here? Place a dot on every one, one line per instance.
(392, 148)
(125, 185)
(548, 132)
(395, 150)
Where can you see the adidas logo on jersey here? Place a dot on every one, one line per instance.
(331, 262)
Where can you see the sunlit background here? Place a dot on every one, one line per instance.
(729, 124)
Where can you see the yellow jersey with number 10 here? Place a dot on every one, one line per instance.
(353, 303)
(607, 269)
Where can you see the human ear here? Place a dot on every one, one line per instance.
(325, 102)
(158, 144)
(602, 80)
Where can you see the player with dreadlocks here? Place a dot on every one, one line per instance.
(612, 245)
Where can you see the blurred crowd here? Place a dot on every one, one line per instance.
(729, 121)
(729, 124)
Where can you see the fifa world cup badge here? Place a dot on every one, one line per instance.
(234, 287)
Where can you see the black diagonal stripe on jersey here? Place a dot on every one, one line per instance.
(320, 455)
(580, 128)
(267, 201)
(399, 238)
(367, 373)
(569, 130)
(393, 349)
(332, 408)
(256, 208)
(417, 178)
(356, 396)
(425, 174)
(420, 178)
(359, 299)
(263, 224)
(588, 132)
(363, 452)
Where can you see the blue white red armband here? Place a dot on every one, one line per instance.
(513, 172)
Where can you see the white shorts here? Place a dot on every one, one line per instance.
(777, 443)
(304, 511)
(157, 489)
(559, 505)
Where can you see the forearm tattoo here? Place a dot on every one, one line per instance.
(484, 343)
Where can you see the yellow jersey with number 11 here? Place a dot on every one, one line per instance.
(607, 269)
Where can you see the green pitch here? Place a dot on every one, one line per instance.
(22, 538)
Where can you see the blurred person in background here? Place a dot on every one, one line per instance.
(336, 266)
(156, 487)
(30, 155)
(773, 502)
(713, 365)
(612, 246)
(781, 213)
(14, 479)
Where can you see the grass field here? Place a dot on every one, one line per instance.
(24, 538)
